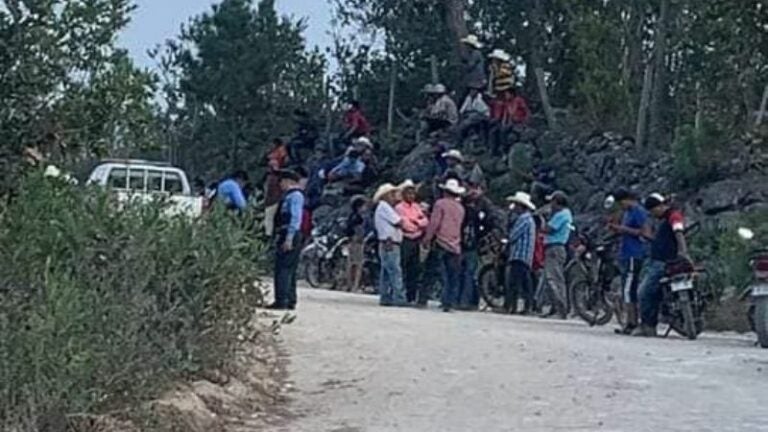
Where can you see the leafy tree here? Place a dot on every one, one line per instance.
(233, 78)
(67, 91)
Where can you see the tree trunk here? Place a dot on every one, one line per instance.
(548, 111)
(659, 93)
(642, 113)
(391, 106)
(454, 18)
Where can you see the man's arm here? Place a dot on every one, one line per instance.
(237, 197)
(434, 223)
(296, 208)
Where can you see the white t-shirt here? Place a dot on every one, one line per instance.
(384, 219)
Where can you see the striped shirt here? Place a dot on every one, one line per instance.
(522, 239)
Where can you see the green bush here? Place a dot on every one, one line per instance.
(101, 308)
(697, 154)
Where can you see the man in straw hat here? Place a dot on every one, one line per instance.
(444, 230)
(441, 112)
(522, 241)
(474, 63)
(414, 224)
(288, 238)
(389, 231)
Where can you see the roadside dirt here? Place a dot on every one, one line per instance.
(357, 367)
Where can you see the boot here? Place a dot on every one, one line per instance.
(645, 331)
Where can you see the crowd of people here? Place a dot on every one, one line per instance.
(417, 235)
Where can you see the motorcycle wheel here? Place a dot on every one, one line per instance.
(590, 305)
(312, 272)
(761, 321)
(491, 286)
(689, 324)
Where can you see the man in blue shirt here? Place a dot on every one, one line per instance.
(634, 230)
(558, 231)
(230, 191)
(351, 167)
(288, 240)
(522, 240)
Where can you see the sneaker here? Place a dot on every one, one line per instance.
(644, 331)
(625, 330)
(275, 306)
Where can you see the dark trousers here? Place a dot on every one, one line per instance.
(286, 264)
(519, 285)
(468, 296)
(450, 267)
(501, 138)
(412, 272)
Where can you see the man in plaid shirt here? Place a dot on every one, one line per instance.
(522, 240)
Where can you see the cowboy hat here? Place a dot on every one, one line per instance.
(429, 88)
(522, 198)
(453, 186)
(408, 184)
(364, 142)
(500, 54)
(472, 40)
(383, 190)
(453, 154)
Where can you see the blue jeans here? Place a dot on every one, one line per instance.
(450, 267)
(631, 269)
(650, 292)
(391, 276)
(468, 296)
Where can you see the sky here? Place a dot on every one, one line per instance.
(155, 21)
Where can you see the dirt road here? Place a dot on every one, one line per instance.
(357, 367)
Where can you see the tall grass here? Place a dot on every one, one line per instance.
(101, 308)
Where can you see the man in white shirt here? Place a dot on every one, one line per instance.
(390, 234)
(474, 115)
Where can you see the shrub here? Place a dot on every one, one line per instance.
(101, 308)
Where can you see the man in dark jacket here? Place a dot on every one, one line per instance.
(288, 238)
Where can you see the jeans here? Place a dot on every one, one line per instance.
(391, 276)
(286, 264)
(554, 272)
(412, 271)
(450, 267)
(519, 284)
(650, 292)
(468, 296)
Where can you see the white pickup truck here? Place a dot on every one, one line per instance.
(148, 181)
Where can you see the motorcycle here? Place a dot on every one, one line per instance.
(492, 275)
(757, 291)
(683, 303)
(324, 257)
(594, 282)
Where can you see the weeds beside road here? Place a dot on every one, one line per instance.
(101, 309)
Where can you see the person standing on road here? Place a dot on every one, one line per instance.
(558, 231)
(476, 223)
(356, 233)
(288, 238)
(415, 221)
(634, 230)
(522, 241)
(445, 230)
(390, 234)
(668, 245)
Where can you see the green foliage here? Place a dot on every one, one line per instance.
(102, 307)
(697, 153)
(233, 78)
(66, 89)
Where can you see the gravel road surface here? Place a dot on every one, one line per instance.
(357, 367)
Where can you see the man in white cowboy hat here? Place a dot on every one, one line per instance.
(441, 112)
(474, 63)
(522, 241)
(454, 165)
(414, 225)
(388, 224)
(445, 228)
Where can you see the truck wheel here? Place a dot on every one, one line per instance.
(761, 320)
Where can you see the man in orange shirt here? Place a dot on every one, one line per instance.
(414, 223)
(276, 160)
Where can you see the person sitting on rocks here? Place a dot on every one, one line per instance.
(454, 165)
(356, 125)
(305, 138)
(474, 115)
(441, 112)
(474, 63)
(350, 168)
(509, 111)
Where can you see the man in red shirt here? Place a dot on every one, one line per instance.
(508, 111)
(355, 123)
